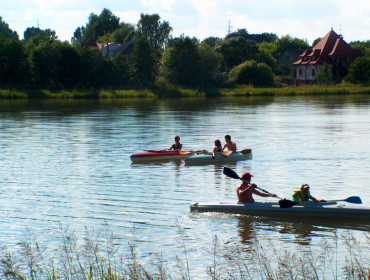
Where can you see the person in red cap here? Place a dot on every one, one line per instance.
(246, 190)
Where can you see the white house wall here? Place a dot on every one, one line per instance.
(306, 72)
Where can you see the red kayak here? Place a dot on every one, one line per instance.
(159, 155)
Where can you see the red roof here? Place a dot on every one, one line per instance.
(331, 45)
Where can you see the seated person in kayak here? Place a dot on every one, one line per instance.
(177, 146)
(230, 145)
(303, 194)
(246, 190)
(217, 149)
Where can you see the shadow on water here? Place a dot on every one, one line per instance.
(303, 229)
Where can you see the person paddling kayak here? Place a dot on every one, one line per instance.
(246, 190)
(177, 146)
(303, 194)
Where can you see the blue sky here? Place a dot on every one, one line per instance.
(201, 18)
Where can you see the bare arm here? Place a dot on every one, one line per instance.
(263, 194)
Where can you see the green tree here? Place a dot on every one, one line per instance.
(124, 33)
(210, 62)
(212, 41)
(156, 32)
(6, 32)
(264, 56)
(96, 27)
(182, 63)
(122, 71)
(236, 50)
(43, 65)
(34, 36)
(325, 75)
(97, 70)
(144, 64)
(77, 35)
(68, 70)
(359, 71)
(289, 43)
(364, 46)
(14, 67)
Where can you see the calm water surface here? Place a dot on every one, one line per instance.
(68, 162)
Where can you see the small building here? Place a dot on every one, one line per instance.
(331, 50)
(112, 49)
(289, 56)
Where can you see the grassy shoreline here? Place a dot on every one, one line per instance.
(180, 92)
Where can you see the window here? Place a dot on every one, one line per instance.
(300, 72)
(313, 72)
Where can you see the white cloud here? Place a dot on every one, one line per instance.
(157, 6)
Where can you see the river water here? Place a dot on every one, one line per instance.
(68, 162)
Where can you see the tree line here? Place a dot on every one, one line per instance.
(41, 61)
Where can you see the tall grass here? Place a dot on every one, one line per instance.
(99, 256)
(166, 91)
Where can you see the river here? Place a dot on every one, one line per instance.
(67, 162)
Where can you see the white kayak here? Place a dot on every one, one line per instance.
(206, 158)
(272, 209)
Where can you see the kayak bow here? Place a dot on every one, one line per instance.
(159, 155)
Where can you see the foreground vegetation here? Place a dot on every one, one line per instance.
(180, 92)
(98, 256)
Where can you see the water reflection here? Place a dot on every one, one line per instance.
(303, 229)
(69, 161)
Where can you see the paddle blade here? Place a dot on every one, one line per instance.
(285, 203)
(231, 173)
(246, 151)
(353, 199)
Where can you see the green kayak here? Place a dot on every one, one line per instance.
(206, 158)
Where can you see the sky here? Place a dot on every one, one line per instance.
(201, 18)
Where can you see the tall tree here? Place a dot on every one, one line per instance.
(210, 62)
(14, 67)
(182, 63)
(124, 33)
(212, 41)
(144, 63)
(237, 50)
(289, 43)
(6, 32)
(156, 32)
(34, 36)
(96, 27)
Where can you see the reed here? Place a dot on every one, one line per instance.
(170, 91)
(99, 256)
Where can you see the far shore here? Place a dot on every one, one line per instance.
(239, 91)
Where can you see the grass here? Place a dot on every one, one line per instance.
(172, 91)
(98, 256)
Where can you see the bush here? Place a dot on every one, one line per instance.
(252, 73)
(359, 71)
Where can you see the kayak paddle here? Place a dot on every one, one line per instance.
(288, 203)
(232, 174)
(351, 199)
(246, 151)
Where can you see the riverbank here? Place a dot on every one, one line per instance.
(180, 92)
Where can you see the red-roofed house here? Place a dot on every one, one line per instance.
(332, 50)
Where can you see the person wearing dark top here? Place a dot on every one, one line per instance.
(177, 146)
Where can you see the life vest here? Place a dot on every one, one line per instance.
(305, 197)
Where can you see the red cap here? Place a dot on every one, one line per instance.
(247, 176)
